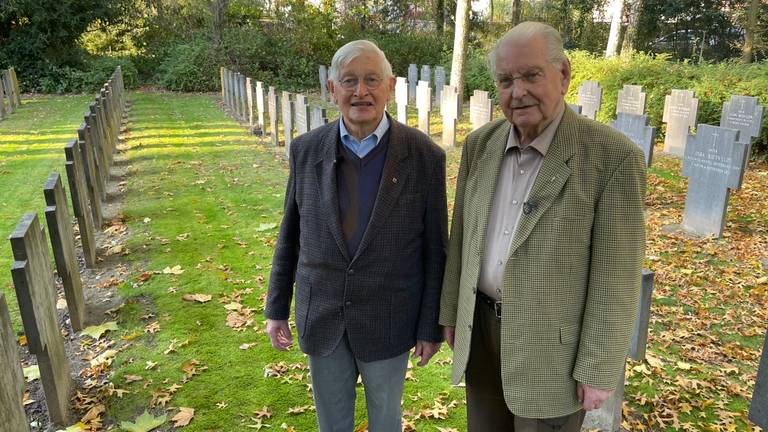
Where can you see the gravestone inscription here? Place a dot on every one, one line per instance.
(424, 105)
(63, 245)
(450, 114)
(745, 114)
(636, 128)
(12, 415)
(401, 100)
(413, 78)
(480, 109)
(631, 100)
(80, 204)
(758, 408)
(590, 98)
(36, 294)
(713, 164)
(680, 109)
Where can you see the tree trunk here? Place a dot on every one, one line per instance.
(439, 15)
(749, 36)
(616, 9)
(516, 12)
(218, 10)
(630, 36)
(460, 38)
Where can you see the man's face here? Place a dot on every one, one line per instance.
(530, 88)
(362, 93)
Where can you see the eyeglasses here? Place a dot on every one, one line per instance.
(371, 82)
(528, 77)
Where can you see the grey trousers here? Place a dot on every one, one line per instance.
(333, 385)
(486, 409)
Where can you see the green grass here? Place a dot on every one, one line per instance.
(32, 143)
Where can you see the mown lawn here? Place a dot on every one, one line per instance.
(202, 209)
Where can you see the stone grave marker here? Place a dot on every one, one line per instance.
(680, 110)
(636, 128)
(590, 98)
(222, 77)
(758, 408)
(323, 75)
(608, 417)
(450, 114)
(426, 74)
(259, 128)
(36, 294)
(286, 115)
(243, 108)
(574, 107)
(713, 164)
(745, 114)
(480, 109)
(2, 101)
(424, 105)
(93, 179)
(12, 415)
(249, 102)
(6, 78)
(272, 107)
(401, 100)
(80, 203)
(101, 154)
(413, 78)
(302, 114)
(439, 84)
(631, 100)
(16, 88)
(63, 245)
(317, 117)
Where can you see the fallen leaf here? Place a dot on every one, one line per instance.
(31, 373)
(97, 331)
(176, 270)
(77, 427)
(132, 378)
(184, 416)
(266, 227)
(200, 298)
(144, 423)
(93, 413)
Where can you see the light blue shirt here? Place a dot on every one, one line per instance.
(362, 148)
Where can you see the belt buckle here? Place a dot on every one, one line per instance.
(497, 309)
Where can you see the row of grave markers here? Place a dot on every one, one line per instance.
(88, 160)
(10, 94)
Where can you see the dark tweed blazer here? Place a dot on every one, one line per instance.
(387, 295)
(571, 283)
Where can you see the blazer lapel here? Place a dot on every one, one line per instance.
(393, 177)
(325, 169)
(552, 177)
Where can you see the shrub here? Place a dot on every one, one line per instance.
(192, 66)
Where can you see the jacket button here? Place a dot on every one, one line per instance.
(348, 303)
(350, 272)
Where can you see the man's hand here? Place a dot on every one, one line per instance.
(425, 350)
(591, 398)
(280, 334)
(449, 333)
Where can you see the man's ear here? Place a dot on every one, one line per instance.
(565, 76)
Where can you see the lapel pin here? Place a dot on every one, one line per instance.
(394, 179)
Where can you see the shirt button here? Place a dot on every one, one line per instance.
(350, 272)
(499, 262)
(506, 232)
(522, 171)
(514, 202)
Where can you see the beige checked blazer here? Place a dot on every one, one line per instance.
(572, 280)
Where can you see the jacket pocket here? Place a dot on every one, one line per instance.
(303, 296)
(569, 334)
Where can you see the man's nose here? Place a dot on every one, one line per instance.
(361, 89)
(519, 89)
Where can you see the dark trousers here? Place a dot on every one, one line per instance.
(486, 408)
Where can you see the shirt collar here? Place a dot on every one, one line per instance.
(542, 142)
(378, 133)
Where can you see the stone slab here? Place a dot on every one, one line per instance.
(286, 116)
(439, 84)
(423, 105)
(575, 108)
(680, 110)
(636, 128)
(413, 78)
(480, 109)
(93, 176)
(80, 204)
(318, 117)
(272, 107)
(63, 245)
(301, 112)
(631, 100)
(426, 74)
(590, 98)
(758, 408)
(745, 114)
(250, 102)
(259, 95)
(323, 77)
(12, 415)
(713, 164)
(36, 294)
(401, 99)
(450, 115)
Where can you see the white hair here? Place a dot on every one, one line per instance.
(526, 31)
(353, 49)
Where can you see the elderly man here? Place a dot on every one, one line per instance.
(363, 237)
(543, 272)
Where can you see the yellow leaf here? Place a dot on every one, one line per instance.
(184, 416)
(683, 365)
(200, 298)
(176, 270)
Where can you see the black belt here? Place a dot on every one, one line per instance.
(491, 303)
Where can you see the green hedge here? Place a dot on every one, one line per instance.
(713, 84)
(88, 77)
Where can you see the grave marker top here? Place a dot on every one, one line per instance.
(590, 98)
(423, 96)
(413, 77)
(636, 128)
(631, 100)
(317, 117)
(439, 83)
(426, 74)
(758, 409)
(480, 109)
(680, 109)
(745, 114)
